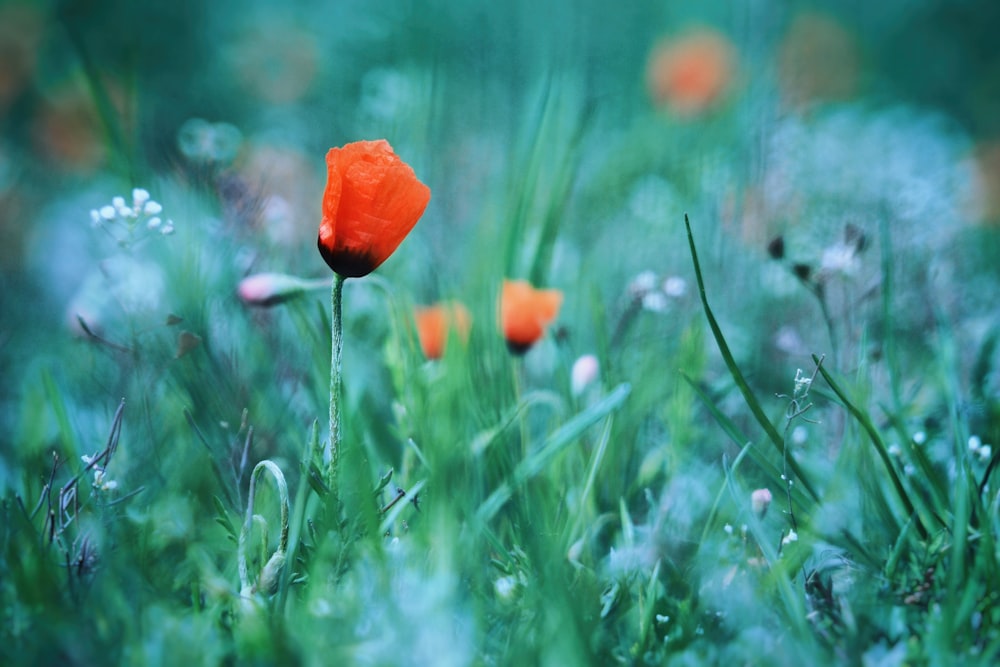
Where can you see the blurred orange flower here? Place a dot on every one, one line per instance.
(819, 60)
(690, 73)
(987, 156)
(525, 312)
(22, 27)
(276, 61)
(67, 127)
(372, 201)
(434, 323)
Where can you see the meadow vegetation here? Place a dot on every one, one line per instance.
(604, 335)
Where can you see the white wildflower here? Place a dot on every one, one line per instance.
(840, 258)
(505, 587)
(642, 284)
(585, 371)
(802, 383)
(102, 483)
(675, 286)
(788, 340)
(655, 302)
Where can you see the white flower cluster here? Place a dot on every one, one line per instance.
(655, 295)
(896, 451)
(142, 210)
(802, 383)
(101, 481)
(840, 258)
(978, 449)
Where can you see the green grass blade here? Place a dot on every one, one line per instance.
(61, 414)
(595, 463)
(781, 570)
(889, 343)
(873, 435)
(710, 521)
(553, 445)
(734, 370)
(772, 472)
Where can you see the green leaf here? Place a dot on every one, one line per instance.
(383, 481)
(222, 517)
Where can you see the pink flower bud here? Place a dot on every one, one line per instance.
(269, 289)
(585, 370)
(760, 500)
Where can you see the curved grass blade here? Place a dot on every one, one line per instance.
(734, 370)
(866, 423)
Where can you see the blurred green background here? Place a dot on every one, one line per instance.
(95, 95)
(514, 114)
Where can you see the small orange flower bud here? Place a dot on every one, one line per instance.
(434, 324)
(525, 313)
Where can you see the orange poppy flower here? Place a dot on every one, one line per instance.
(525, 312)
(372, 201)
(434, 323)
(690, 73)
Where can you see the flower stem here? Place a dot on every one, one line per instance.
(337, 345)
(518, 368)
(270, 571)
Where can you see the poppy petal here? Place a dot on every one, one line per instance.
(372, 201)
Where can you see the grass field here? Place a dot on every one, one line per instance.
(690, 358)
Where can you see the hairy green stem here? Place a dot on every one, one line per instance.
(337, 345)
